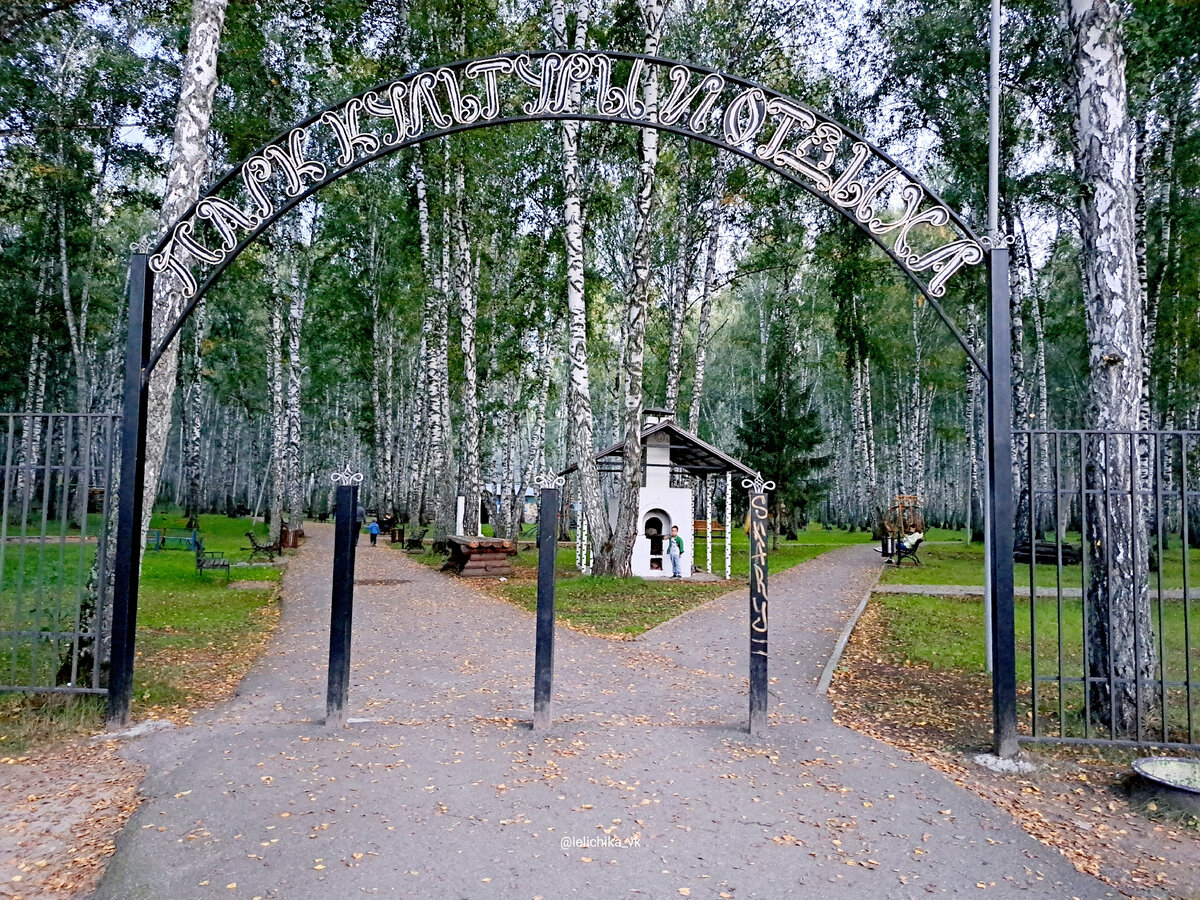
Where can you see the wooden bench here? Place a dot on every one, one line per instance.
(270, 551)
(700, 526)
(476, 557)
(416, 544)
(210, 559)
(1046, 553)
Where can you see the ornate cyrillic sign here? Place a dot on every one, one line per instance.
(851, 175)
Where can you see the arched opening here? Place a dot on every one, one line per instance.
(656, 526)
(908, 222)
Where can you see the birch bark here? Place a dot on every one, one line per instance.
(297, 297)
(635, 315)
(712, 244)
(278, 428)
(468, 308)
(185, 175)
(579, 384)
(1117, 601)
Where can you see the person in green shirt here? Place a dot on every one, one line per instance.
(675, 551)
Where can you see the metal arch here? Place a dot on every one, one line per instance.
(346, 131)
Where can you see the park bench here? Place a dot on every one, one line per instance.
(904, 549)
(700, 526)
(270, 551)
(1046, 552)
(210, 559)
(416, 544)
(476, 557)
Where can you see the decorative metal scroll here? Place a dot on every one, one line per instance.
(549, 481)
(347, 477)
(757, 485)
(911, 223)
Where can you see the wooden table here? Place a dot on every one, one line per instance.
(478, 557)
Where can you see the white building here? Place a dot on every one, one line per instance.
(672, 460)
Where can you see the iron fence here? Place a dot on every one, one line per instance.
(55, 566)
(1107, 538)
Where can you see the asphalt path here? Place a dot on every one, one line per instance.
(646, 785)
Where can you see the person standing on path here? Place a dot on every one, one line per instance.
(373, 530)
(675, 551)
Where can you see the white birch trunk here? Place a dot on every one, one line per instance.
(1118, 602)
(464, 284)
(579, 383)
(298, 295)
(185, 176)
(635, 316)
(275, 393)
(706, 296)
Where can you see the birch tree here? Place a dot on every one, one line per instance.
(185, 175)
(635, 313)
(1117, 601)
(581, 421)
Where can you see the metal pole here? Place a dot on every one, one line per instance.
(1000, 492)
(758, 611)
(543, 663)
(127, 570)
(994, 237)
(341, 612)
(994, 125)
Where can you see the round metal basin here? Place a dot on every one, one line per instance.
(1175, 779)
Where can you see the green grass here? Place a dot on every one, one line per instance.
(631, 606)
(195, 634)
(956, 563)
(947, 633)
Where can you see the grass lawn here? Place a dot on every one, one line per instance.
(627, 607)
(196, 636)
(953, 562)
(946, 634)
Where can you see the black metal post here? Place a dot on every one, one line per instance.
(127, 570)
(758, 611)
(543, 657)
(1000, 489)
(342, 609)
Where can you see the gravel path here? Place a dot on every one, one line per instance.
(646, 786)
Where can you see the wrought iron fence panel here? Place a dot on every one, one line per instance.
(59, 496)
(1108, 536)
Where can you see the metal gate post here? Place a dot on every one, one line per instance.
(127, 571)
(1000, 494)
(341, 611)
(543, 656)
(758, 602)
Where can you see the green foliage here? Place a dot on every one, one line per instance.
(781, 434)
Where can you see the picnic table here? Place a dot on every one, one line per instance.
(172, 539)
(480, 557)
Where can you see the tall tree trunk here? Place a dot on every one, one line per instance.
(1020, 389)
(464, 283)
(581, 420)
(426, 410)
(684, 268)
(442, 433)
(1117, 601)
(635, 316)
(185, 176)
(76, 328)
(712, 244)
(191, 415)
(275, 393)
(298, 295)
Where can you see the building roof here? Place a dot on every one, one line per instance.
(688, 452)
